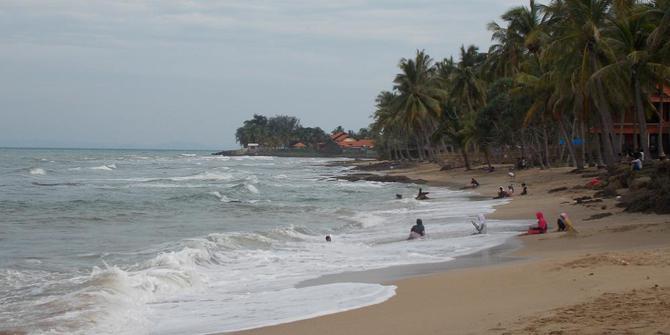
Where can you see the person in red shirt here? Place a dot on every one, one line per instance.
(541, 227)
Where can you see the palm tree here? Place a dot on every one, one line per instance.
(418, 98)
(578, 29)
(466, 94)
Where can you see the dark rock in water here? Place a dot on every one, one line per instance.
(380, 178)
(384, 166)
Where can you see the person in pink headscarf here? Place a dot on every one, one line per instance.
(541, 227)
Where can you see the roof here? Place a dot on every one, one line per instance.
(338, 137)
(299, 145)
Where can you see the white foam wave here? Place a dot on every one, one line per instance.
(109, 167)
(207, 175)
(252, 188)
(37, 172)
(221, 197)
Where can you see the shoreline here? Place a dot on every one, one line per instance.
(495, 255)
(621, 257)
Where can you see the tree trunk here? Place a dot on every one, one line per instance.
(606, 131)
(487, 154)
(661, 150)
(464, 152)
(607, 125)
(622, 119)
(408, 152)
(641, 117)
(546, 146)
(571, 150)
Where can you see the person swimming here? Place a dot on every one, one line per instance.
(417, 231)
(328, 238)
(481, 227)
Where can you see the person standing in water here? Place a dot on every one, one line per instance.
(417, 231)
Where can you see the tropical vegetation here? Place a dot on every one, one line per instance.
(549, 89)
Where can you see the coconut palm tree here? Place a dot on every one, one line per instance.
(419, 98)
(578, 28)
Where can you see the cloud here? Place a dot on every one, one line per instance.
(410, 23)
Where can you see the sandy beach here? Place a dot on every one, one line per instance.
(611, 277)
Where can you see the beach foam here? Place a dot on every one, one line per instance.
(37, 172)
(219, 246)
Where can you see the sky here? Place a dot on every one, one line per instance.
(185, 74)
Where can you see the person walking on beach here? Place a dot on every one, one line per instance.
(417, 231)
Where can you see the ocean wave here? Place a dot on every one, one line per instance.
(222, 197)
(108, 167)
(55, 184)
(204, 176)
(37, 172)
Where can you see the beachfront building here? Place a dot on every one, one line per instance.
(299, 145)
(657, 128)
(348, 144)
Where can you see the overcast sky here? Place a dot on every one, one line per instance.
(185, 74)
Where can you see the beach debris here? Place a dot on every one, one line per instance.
(598, 216)
(558, 189)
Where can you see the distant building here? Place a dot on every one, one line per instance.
(350, 144)
(338, 137)
(299, 145)
(629, 129)
(253, 147)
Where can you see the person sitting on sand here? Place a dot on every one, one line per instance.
(481, 227)
(417, 230)
(541, 227)
(510, 190)
(524, 191)
(564, 223)
(501, 193)
(474, 183)
(422, 195)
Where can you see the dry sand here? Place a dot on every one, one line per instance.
(612, 277)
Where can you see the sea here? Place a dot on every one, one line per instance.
(183, 242)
